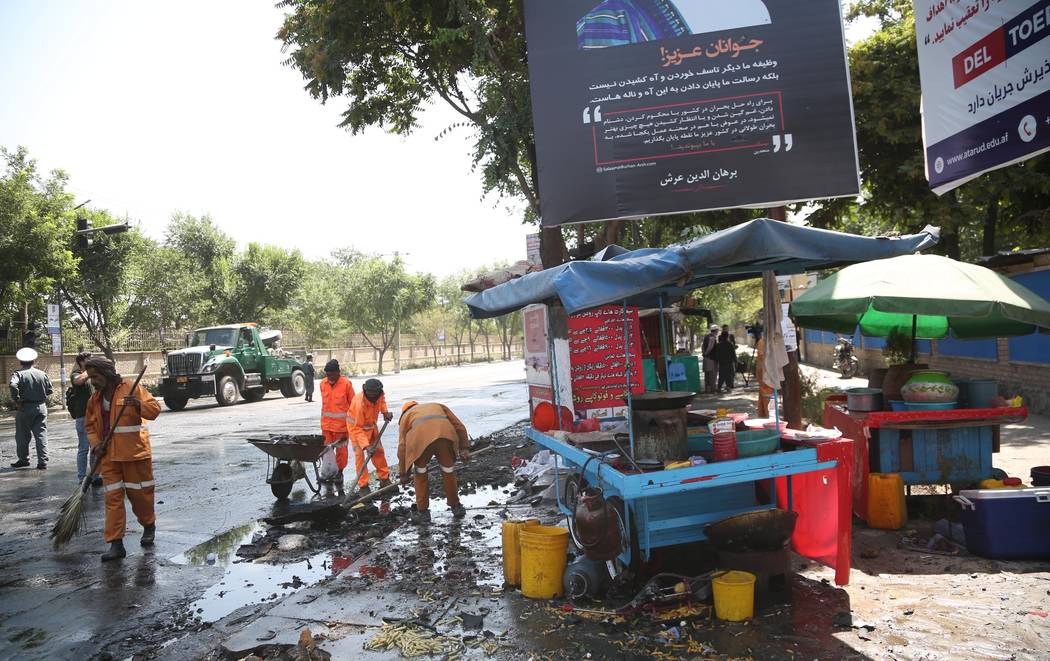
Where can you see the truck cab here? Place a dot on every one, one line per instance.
(229, 362)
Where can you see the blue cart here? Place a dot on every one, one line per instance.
(669, 507)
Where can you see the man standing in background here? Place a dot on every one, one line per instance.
(30, 389)
(308, 377)
(76, 403)
(707, 348)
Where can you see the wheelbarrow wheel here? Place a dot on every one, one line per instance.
(281, 481)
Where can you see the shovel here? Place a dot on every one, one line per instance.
(368, 454)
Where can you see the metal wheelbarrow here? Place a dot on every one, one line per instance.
(286, 457)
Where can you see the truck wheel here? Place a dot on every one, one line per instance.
(294, 386)
(176, 403)
(227, 391)
(254, 394)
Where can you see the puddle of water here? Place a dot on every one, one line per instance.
(250, 582)
(483, 496)
(224, 547)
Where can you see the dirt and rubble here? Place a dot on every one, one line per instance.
(384, 588)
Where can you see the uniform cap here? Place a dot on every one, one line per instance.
(332, 365)
(714, 328)
(26, 355)
(373, 385)
(407, 405)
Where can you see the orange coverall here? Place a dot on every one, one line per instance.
(361, 424)
(335, 402)
(431, 430)
(127, 465)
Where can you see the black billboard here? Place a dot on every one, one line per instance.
(647, 107)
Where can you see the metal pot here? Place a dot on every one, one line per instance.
(864, 399)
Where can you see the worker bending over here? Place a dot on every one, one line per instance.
(126, 466)
(431, 430)
(336, 395)
(361, 424)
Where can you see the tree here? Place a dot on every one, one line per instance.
(314, 312)
(163, 298)
(389, 58)
(264, 279)
(204, 275)
(36, 225)
(102, 291)
(508, 326)
(379, 295)
(428, 325)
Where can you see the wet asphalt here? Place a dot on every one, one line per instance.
(67, 604)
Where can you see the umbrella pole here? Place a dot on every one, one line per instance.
(914, 328)
(663, 347)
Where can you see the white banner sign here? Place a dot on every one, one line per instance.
(985, 76)
(53, 321)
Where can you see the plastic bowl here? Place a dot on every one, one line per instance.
(898, 405)
(929, 406)
(755, 443)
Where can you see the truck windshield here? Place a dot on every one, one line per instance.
(222, 337)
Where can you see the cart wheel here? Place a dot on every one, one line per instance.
(281, 481)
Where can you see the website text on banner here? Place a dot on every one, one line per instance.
(985, 69)
(647, 107)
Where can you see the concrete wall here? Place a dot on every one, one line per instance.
(360, 360)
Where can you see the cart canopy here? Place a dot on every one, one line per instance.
(660, 276)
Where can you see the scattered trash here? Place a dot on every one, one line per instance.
(292, 542)
(411, 640)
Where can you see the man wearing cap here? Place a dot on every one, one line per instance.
(431, 430)
(308, 377)
(707, 350)
(126, 465)
(361, 425)
(30, 389)
(336, 395)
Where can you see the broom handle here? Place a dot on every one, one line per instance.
(391, 487)
(104, 445)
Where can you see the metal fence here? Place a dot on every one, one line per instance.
(74, 340)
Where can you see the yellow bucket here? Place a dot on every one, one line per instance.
(544, 552)
(512, 549)
(734, 595)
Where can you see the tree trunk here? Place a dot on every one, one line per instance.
(379, 369)
(991, 220)
(552, 247)
(951, 243)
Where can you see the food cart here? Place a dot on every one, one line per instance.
(928, 297)
(669, 506)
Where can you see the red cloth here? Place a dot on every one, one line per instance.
(822, 499)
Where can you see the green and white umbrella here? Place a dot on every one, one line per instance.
(924, 296)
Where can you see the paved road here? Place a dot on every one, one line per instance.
(69, 605)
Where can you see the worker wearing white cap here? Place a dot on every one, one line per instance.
(30, 389)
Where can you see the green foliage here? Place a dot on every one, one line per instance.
(36, 225)
(813, 398)
(898, 348)
(102, 292)
(379, 295)
(264, 279)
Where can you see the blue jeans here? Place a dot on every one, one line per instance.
(82, 449)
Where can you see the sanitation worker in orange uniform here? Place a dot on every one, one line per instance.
(336, 394)
(127, 465)
(361, 424)
(426, 431)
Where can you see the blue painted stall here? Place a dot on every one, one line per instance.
(671, 507)
(936, 456)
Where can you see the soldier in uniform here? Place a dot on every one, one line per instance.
(309, 373)
(30, 389)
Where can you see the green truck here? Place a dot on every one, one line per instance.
(227, 362)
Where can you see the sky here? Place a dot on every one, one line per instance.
(157, 107)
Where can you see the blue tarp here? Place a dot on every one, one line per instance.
(650, 276)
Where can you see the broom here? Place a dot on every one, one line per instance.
(71, 515)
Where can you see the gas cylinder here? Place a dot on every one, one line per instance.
(584, 578)
(597, 526)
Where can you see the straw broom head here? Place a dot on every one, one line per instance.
(70, 519)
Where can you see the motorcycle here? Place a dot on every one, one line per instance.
(846, 362)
